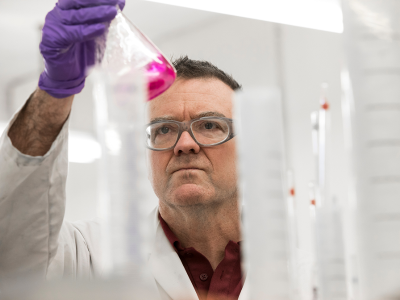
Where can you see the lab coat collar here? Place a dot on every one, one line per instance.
(167, 267)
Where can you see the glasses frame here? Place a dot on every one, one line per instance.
(187, 126)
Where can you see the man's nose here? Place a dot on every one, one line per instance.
(186, 145)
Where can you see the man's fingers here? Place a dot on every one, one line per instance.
(90, 32)
(83, 33)
(121, 4)
(89, 15)
(76, 4)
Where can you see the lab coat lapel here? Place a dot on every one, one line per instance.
(244, 294)
(168, 270)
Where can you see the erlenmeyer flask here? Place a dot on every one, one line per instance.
(124, 47)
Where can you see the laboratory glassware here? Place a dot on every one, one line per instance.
(263, 186)
(292, 233)
(292, 207)
(119, 112)
(350, 206)
(124, 47)
(371, 30)
(313, 273)
(326, 216)
(331, 268)
(120, 91)
(321, 140)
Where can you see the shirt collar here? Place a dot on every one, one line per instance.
(172, 237)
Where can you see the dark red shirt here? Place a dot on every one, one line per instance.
(223, 283)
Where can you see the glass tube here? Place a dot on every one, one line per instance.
(117, 104)
(372, 52)
(350, 206)
(124, 189)
(331, 269)
(323, 140)
(293, 234)
(315, 128)
(292, 207)
(262, 182)
(313, 276)
(326, 219)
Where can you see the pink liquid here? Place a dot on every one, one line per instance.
(160, 77)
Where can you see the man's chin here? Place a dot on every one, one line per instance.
(191, 194)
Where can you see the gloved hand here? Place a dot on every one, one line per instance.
(68, 45)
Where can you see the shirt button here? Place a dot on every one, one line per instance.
(203, 277)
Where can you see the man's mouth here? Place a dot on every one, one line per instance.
(187, 169)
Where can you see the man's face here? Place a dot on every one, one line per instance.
(190, 174)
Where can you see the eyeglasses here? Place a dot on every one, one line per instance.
(206, 132)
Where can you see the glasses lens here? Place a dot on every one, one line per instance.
(162, 135)
(210, 131)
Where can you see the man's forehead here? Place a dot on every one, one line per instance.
(212, 86)
(191, 98)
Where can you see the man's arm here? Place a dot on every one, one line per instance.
(34, 149)
(39, 123)
(32, 199)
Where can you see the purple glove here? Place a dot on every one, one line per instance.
(68, 45)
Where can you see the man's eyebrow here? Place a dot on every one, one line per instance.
(200, 115)
(209, 114)
(163, 118)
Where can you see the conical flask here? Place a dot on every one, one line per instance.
(124, 47)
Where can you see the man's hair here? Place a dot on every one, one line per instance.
(187, 68)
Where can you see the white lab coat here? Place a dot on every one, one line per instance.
(34, 238)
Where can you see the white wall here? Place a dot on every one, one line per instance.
(241, 47)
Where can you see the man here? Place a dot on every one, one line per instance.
(198, 225)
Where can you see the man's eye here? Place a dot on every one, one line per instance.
(164, 130)
(209, 125)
